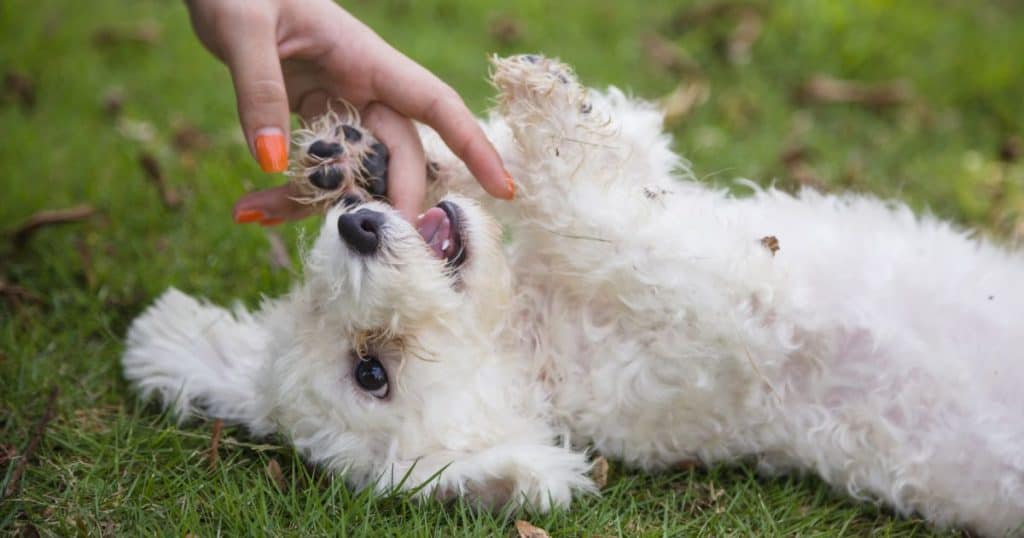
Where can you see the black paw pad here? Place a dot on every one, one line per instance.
(375, 166)
(328, 178)
(351, 134)
(322, 149)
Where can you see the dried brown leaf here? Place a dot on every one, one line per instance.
(136, 130)
(506, 29)
(50, 217)
(701, 15)
(276, 475)
(825, 89)
(795, 161)
(669, 57)
(687, 465)
(218, 428)
(139, 33)
(683, 100)
(741, 40)
(151, 167)
(22, 87)
(188, 138)
(528, 530)
(1012, 149)
(771, 243)
(599, 472)
(113, 101)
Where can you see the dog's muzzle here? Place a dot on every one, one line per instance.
(361, 230)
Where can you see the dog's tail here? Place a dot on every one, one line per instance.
(198, 359)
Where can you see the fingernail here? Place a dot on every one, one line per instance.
(248, 215)
(271, 222)
(510, 185)
(271, 150)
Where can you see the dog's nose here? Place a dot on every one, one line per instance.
(361, 230)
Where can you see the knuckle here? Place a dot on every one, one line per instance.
(263, 92)
(446, 103)
(242, 12)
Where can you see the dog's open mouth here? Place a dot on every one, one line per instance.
(441, 228)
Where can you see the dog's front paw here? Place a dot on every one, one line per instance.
(534, 477)
(337, 156)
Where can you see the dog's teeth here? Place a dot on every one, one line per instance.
(445, 245)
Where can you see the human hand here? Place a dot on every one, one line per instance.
(299, 55)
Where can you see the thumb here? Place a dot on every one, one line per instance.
(262, 99)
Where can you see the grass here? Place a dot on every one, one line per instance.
(107, 465)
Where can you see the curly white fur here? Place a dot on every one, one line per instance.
(635, 311)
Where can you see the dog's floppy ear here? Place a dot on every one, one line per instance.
(198, 359)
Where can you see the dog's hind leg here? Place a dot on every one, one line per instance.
(198, 359)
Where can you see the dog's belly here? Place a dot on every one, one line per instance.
(878, 358)
(634, 388)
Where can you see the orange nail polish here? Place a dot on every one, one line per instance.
(248, 215)
(272, 151)
(271, 222)
(511, 185)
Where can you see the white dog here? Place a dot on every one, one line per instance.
(633, 310)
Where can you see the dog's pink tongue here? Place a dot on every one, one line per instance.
(436, 230)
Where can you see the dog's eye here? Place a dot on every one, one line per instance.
(372, 377)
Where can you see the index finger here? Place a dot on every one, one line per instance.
(416, 93)
(407, 169)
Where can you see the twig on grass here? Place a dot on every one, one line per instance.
(37, 435)
(229, 441)
(16, 294)
(50, 217)
(218, 427)
(151, 166)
